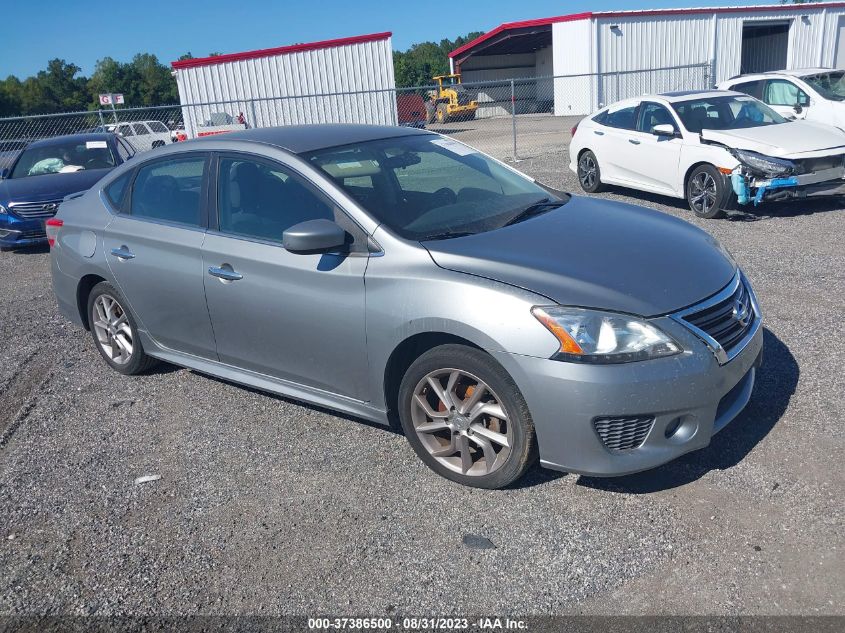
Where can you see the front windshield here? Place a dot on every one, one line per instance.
(725, 113)
(430, 187)
(829, 85)
(62, 158)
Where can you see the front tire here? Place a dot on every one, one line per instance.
(589, 173)
(115, 332)
(707, 192)
(465, 417)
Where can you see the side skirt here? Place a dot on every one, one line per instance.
(296, 391)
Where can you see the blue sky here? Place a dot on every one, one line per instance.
(83, 32)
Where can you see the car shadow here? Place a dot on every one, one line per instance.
(776, 382)
(39, 249)
(745, 213)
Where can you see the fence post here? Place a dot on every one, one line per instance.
(102, 123)
(513, 118)
(252, 111)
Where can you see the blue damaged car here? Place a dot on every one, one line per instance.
(32, 188)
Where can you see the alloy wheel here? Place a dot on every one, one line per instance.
(703, 192)
(461, 422)
(112, 328)
(587, 171)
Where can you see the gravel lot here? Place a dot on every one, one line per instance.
(266, 506)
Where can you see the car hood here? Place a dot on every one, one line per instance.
(796, 139)
(48, 186)
(597, 254)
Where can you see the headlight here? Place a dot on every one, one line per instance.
(767, 165)
(590, 336)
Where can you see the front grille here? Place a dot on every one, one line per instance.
(810, 165)
(727, 321)
(622, 434)
(34, 210)
(32, 235)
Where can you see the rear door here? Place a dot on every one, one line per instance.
(154, 251)
(298, 317)
(617, 159)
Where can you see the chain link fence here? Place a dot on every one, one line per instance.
(511, 119)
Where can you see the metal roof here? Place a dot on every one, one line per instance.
(307, 138)
(547, 22)
(281, 50)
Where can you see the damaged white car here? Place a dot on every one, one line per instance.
(717, 149)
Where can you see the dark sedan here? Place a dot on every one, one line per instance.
(32, 188)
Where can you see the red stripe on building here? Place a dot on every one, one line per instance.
(281, 50)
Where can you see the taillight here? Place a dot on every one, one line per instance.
(574, 129)
(52, 227)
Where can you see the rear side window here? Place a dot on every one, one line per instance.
(140, 129)
(158, 126)
(170, 191)
(753, 88)
(625, 119)
(117, 189)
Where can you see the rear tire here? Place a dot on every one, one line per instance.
(475, 428)
(115, 331)
(429, 112)
(589, 173)
(707, 192)
(442, 113)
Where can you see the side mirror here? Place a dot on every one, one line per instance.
(664, 129)
(798, 109)
(4, 173)
(314, 236)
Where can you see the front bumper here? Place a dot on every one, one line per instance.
(691, 390)
(750, 189)
(17, 233)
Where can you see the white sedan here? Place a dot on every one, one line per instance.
(714, 148)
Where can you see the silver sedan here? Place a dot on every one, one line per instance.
(396, 274)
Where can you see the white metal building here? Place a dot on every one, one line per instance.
(600, 46)
(291, 85)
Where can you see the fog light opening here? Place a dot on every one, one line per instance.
(672, 428)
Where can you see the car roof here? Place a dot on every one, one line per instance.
(795, 72)
(307, 138)
(687, 95)
(81, 138)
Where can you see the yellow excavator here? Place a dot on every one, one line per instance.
(450, 101)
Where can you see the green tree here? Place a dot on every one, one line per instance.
(417, 65)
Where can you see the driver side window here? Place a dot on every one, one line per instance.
(652, 114)
(780, 92)
(261, 200)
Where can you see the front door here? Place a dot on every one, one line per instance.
(654, 159)
(298, 317)
(786, 98)
(154, 251)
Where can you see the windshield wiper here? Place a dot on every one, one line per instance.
(535, 209)
(447, 235)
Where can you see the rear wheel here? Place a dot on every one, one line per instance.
(465, 417)
(589, 173)
(115, 332)
(442, 113)
(707, 192)
(430, 112)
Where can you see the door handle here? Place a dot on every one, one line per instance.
(225, 273)
(633, 141)
(598, 133)
(123, 253)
